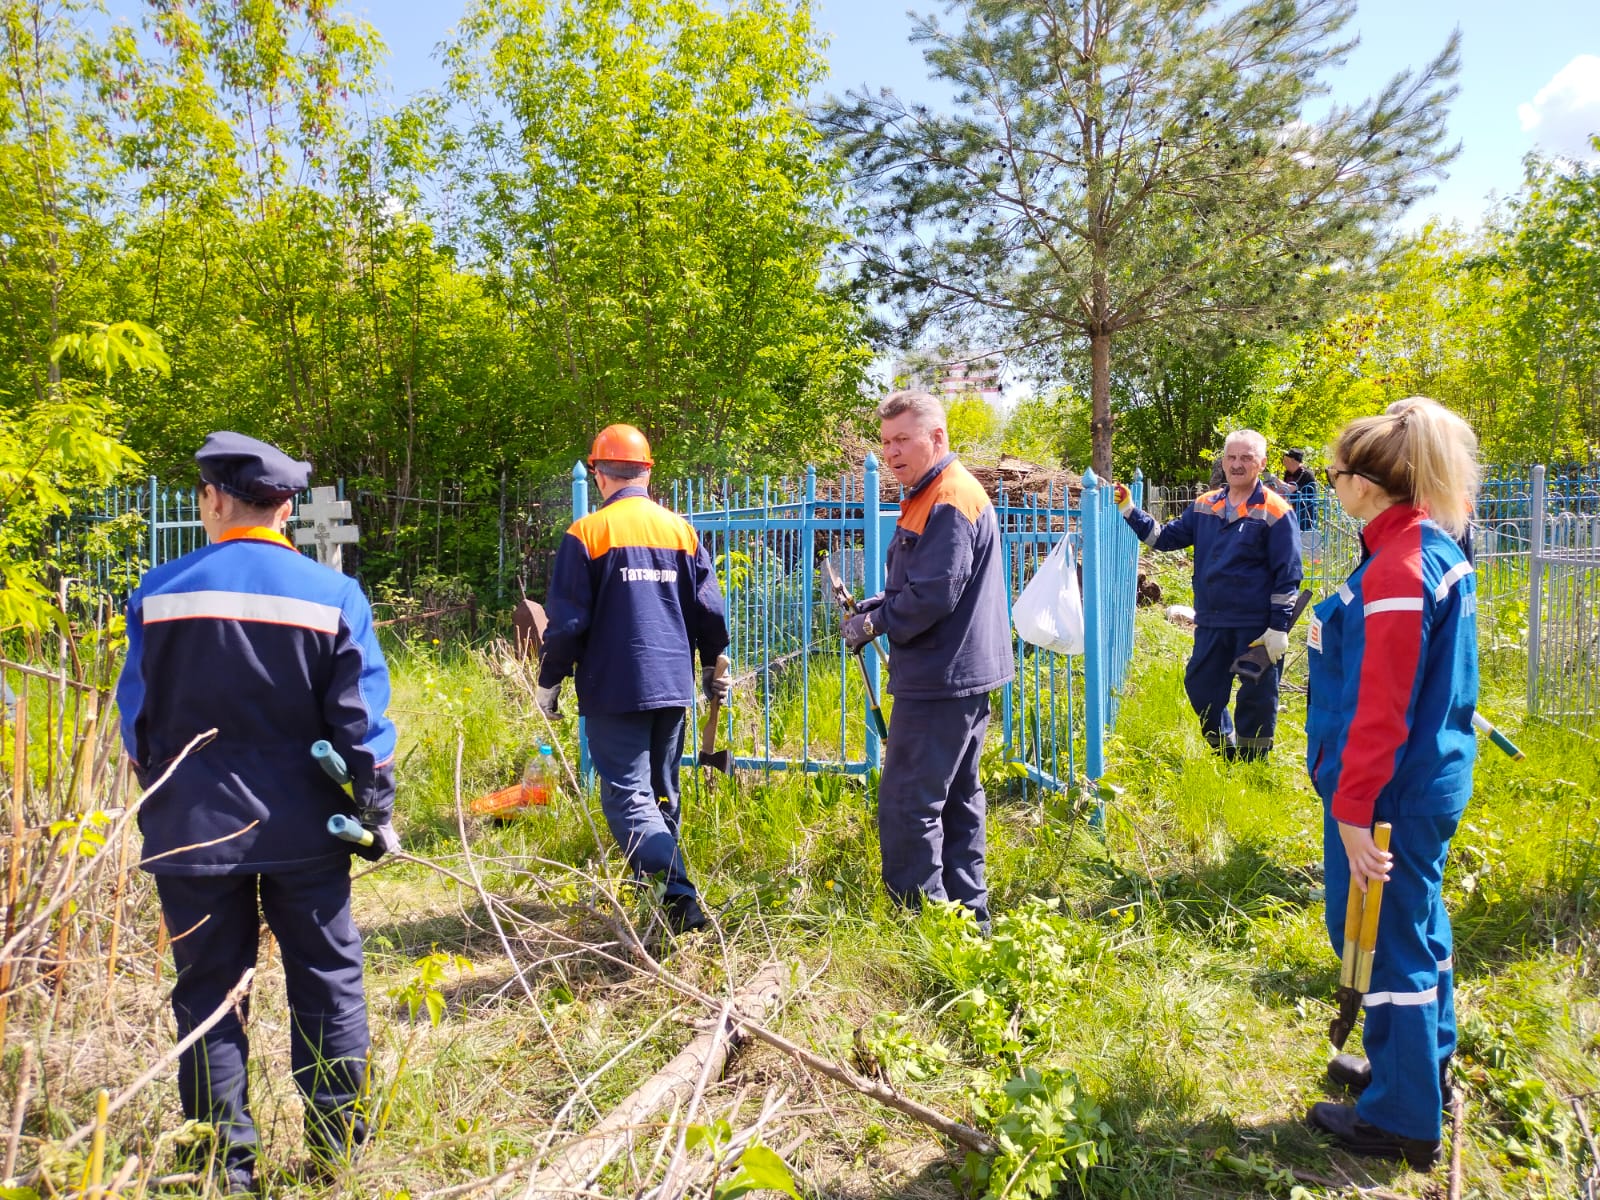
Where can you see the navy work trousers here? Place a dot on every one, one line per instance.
(215, 925)
(931, 803)
(1249, 731)
(1409, 1030)
(636, 755)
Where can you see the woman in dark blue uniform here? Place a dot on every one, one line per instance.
(1394, 682)
(250, 638)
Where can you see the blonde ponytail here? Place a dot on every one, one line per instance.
(1421, 454)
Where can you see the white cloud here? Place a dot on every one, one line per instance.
(1566, 111)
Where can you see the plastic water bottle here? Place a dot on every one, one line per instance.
(539, 780)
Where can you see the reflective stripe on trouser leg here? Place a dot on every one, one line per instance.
(214, 924)
(1209, 683)
(309, 913)
(1400, 1029)
(931, 807)
(629, 751)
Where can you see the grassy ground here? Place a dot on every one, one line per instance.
(1161, 990)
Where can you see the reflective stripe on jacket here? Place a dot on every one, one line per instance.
(275, 652)
(1247, 568)
(633, 596)
(944, 599)
(1394, 676)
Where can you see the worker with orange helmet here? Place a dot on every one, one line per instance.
(633, 597)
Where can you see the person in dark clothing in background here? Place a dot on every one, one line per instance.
(1298, 486)
(1247, 574)
(275, 652)
(632, 597)
(944, 610)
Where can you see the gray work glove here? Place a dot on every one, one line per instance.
(384, 841)
(868, 603)
(715, 688)
(549, 701)
(858, 630)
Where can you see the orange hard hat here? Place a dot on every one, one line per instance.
(621, 443)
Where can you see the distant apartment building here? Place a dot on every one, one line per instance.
(979, 376)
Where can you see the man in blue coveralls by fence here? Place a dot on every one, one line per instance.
(1246, 579)
(632, 597)
(274, 651)
(943, 609)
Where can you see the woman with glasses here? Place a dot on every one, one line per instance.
(1393, 685)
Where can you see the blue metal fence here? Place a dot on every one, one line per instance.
(800, 705)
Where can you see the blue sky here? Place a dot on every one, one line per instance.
(1530, 73)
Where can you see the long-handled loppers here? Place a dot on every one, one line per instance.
(342, 827)
(846, 602)
(1360, 940)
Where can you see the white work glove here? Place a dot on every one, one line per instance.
(1276, 641)
(1123, 497)
(549, 701)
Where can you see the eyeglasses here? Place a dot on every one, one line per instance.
(1331, 474)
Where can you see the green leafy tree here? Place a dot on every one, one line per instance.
(974, 426)
(1117, 165)
(654, 210)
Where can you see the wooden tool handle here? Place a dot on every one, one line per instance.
(1352, 936)
(1369, 913)
(708, 731)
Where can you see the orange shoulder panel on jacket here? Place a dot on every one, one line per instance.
(1275, 504)
(954, 486)
(633, 521)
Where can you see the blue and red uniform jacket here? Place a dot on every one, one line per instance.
(632, 597)
(1247, 567)
(944, 597)
(275, 652)
(1394, 676)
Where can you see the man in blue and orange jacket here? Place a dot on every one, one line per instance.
(274, 652)
(633, 597)
(1247, 574)
(944, 610)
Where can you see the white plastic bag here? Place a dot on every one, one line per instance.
(1049, 613)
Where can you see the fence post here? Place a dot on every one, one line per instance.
(1094, 665)
(808, 583)
(500, 557)
(872, 571)
(150, 517)
(580, 508)
(1535, 585)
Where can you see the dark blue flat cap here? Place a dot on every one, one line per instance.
(250, 470)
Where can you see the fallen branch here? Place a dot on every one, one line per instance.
(1458, 1126)
(576, 1164)
(962, 1134)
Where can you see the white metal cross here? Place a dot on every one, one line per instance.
(324, 515)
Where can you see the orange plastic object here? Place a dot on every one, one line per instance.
(507, 802)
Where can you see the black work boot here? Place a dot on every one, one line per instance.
(1359, 1137)
(684, 914)
(1353, 1073)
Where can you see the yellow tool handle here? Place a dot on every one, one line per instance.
(1352, 936)
(1369, 913)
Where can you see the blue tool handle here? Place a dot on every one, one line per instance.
(349, 830)
(330, 761)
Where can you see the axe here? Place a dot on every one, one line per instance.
(1360, 941)
(710, 756)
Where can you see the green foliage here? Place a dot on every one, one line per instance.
(1048, 1132)
(759, 1167)
(1051, 430)
(425, 989)
(974, 427)
(654, 210)
(1128, 174)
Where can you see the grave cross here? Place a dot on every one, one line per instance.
(324, 514)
